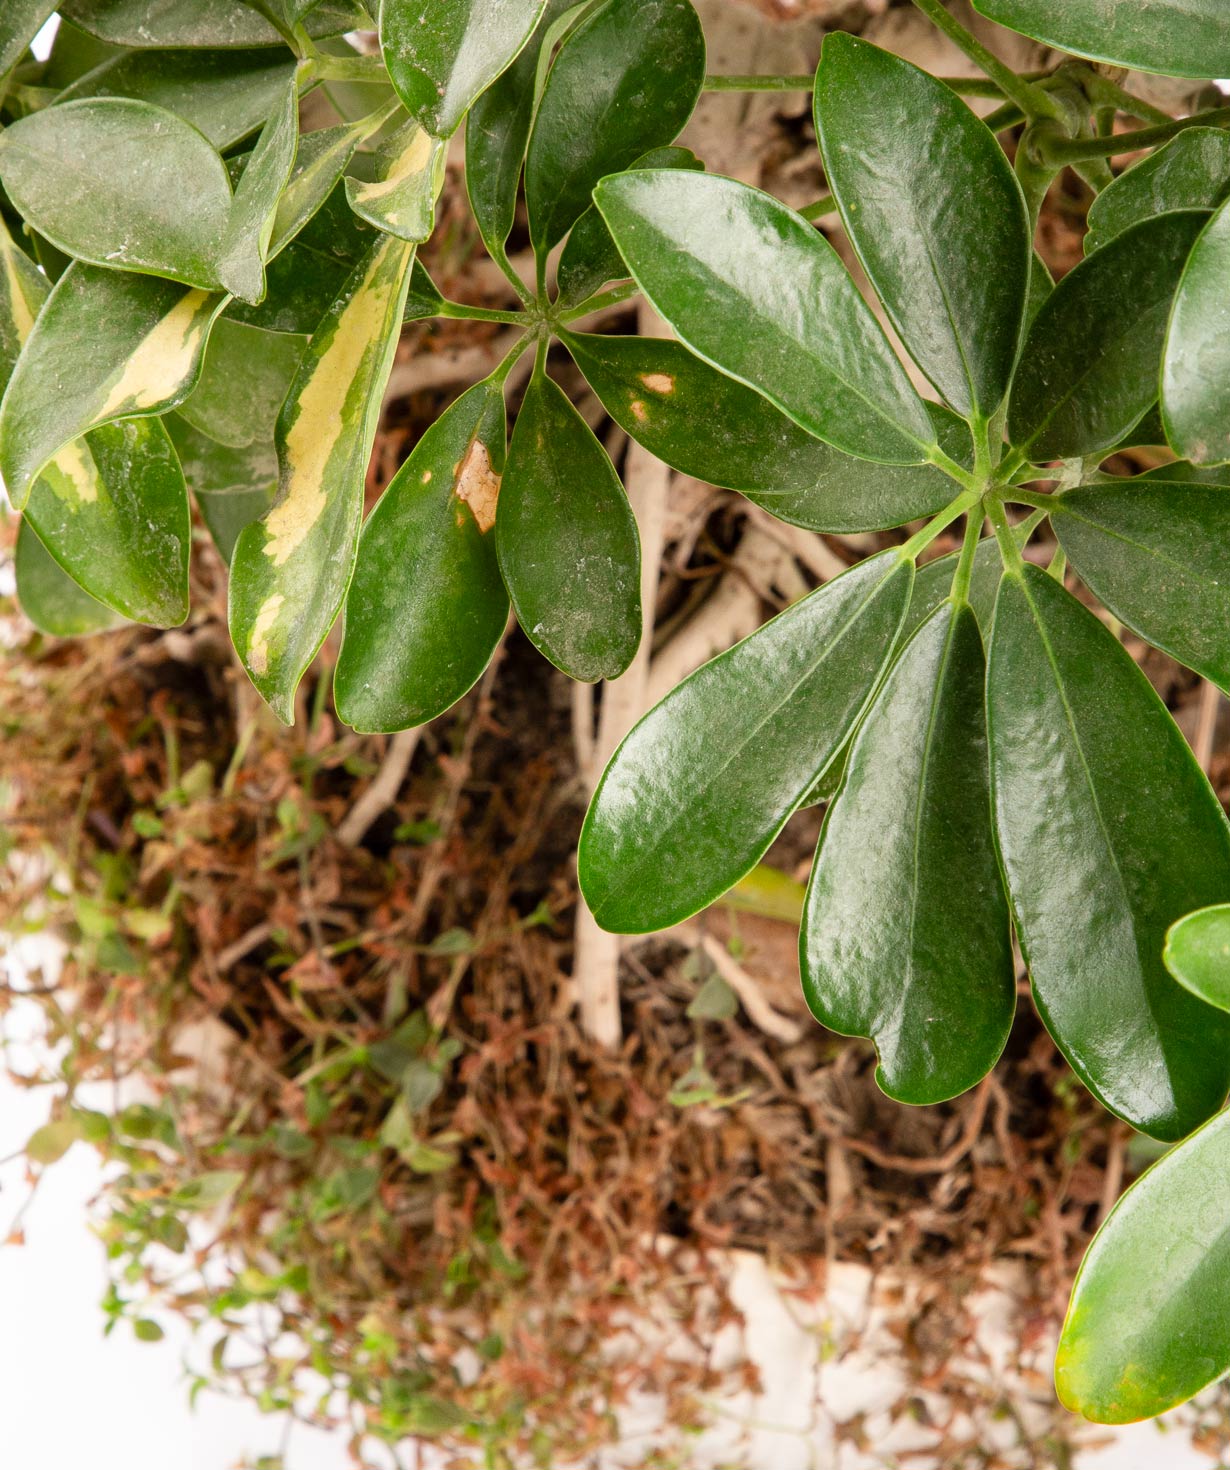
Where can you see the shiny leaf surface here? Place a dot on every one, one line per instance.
(1181, 38)
(440, 58)
(290, 571)
(695, 795)
(113, 510)
(590, 257)
(1197, 954)
(705, 424)
(198, 23)
(48, 595)
(906, 937)
(1195, 395)
(427, 607)
(625, 81)
(567, 540)
(135, 344)
(1108, 832)
(949, 261)
(121, 184)
(1192, 171)
(753, 289)
(1091, 364)
(1148, 1325)
(1156, 556)
(400, 197)
(249, 228)
(226, 94)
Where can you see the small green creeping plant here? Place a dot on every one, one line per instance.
(197, 295)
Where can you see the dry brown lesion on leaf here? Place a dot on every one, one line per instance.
(661, 383)
(639, 412)
(478, 485)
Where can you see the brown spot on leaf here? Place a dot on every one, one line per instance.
(639, 412)
(658, 382)
(478, 485)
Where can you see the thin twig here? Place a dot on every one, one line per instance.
(382, 792)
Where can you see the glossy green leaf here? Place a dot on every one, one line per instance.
(248, 235)
(48, 595)
(695, 795)
(1156, 556)
(1108, 832)
(232, 487)
(1192, 171)
(408, 174)
(1180, 38)
(320, 161)
(1184, 473)
(1197, 954)
(121, 184)
(590, 257)
(113, 510)
(226, 94)
(290, 571)
(21, 22)
(498, 132)
(304, 279)
(950, 262)
(1195, 395)
(906, 937)
(1091, 363)
(135, 344)
(625, 81)
(1149, 1321)
(427, 607)
(199, 23)
(567, 540)
(707, 425)
(766, 299)
(441, 58)
(244, 382)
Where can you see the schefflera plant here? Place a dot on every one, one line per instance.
(1040, 784)
(242, 287)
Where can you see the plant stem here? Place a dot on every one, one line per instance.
(827, 205)
(1058, 565)
(349, 68)
(1032, 100)
(1057, 151)
(596, 302)
(459, 311)
(1044, 503)
(510, 360)
(1009, 551)
(965, 566)
(1101, 89)
(919, 542)
(1005, 117)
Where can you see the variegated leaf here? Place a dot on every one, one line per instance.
(401, 196)
(135, 344)
(290, 571)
